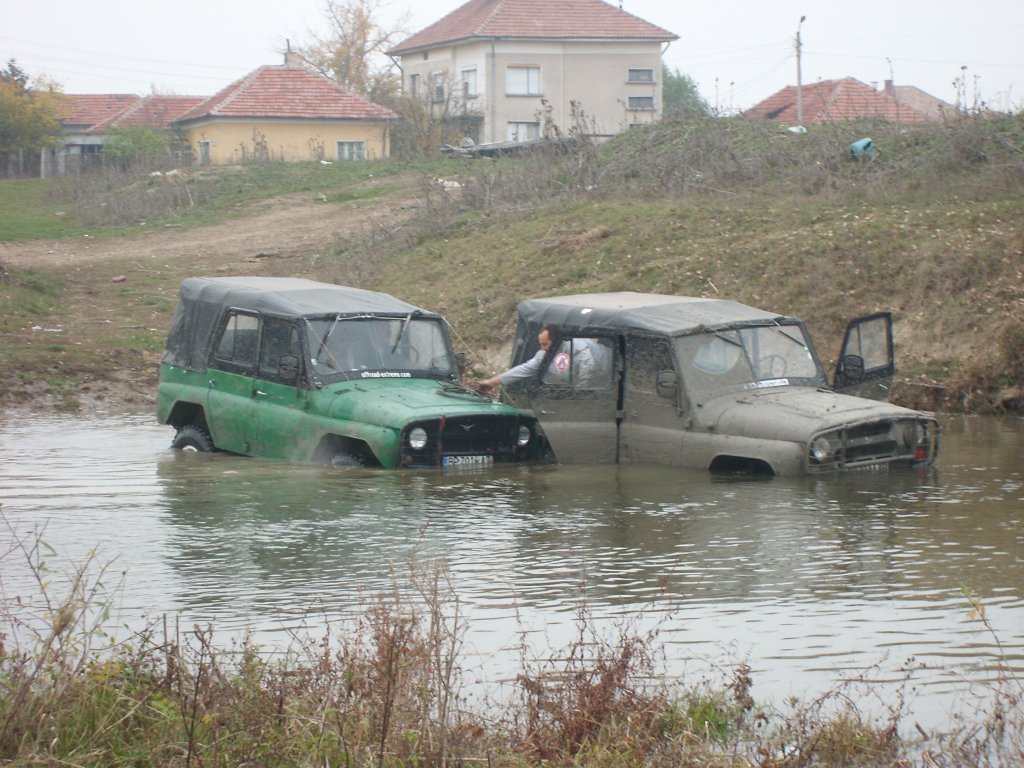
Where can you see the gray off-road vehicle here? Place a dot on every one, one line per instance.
(642, 378)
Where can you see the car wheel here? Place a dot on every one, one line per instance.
(344, 459)
(194, 439)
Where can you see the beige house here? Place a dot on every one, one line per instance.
(511, 70)
(286, 113)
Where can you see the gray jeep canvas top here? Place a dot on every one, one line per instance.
(654, 313)
(202, 300)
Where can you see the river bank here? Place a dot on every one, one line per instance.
(933, 230)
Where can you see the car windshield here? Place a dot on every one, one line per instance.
(746, 358)
(370, 347)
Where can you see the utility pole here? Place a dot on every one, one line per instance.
(799, 78)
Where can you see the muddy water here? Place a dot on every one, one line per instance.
(809, 581)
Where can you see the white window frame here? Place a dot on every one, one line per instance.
(641, 103)
(523, 130)
(414, 85)
(342, 153)
(635, 75)
(204, 152)
(469, 83)
(437, 86)
(522, 80)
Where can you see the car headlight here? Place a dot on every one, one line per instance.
(525, 435)
(821, 449)
(418, 438)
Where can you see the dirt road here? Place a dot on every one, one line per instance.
(121, 289)
(286, 227)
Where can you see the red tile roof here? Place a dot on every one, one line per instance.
(534, 20)
(87, 109)
(153, 111)
(834, 100)
(287, 92)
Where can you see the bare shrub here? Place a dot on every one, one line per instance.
(108, 195)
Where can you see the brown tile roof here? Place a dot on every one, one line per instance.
(534, 20)
(831, 101)
(153, 111)
(930, 106)
(287, 92)
(87, 109)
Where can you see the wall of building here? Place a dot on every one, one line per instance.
(592, 74)
(226, 142)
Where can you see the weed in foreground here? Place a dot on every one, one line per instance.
(385, 689)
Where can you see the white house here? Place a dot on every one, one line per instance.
(509, 69)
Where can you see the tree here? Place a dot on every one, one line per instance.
(28, 116)
(136, 145)
(680, 95)
(353, 51)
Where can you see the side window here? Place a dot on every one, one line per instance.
(581, 363)
(236, 348)
(280, 339)
(647, 358)
(870, 339)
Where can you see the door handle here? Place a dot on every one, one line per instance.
(258, 393)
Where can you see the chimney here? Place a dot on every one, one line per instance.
(889, 90)
(292, 59)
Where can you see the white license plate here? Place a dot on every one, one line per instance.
(467, 461)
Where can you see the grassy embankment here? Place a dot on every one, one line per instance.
(932, 228)
(388, 689)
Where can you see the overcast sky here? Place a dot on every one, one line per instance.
(738, 52)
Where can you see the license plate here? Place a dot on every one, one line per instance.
(467, 461)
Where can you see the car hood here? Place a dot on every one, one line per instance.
(396, 402)
(790, 413)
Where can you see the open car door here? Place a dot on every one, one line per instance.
(866, 364)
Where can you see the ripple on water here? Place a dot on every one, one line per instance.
(807, 579)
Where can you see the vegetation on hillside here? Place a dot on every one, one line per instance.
(929, 226)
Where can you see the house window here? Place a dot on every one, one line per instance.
(641, 102)
(523, 131)
(204, 153)
(641, 75)
(351, 150)
(522, 81)
(414, 86)
(468, 83)
(437, 86)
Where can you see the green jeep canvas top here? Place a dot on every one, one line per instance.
(202, 299)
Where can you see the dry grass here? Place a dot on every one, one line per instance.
(386, 690)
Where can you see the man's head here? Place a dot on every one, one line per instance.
(547, 336)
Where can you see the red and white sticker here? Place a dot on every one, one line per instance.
(561, 362)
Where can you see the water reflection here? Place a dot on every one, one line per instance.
(808, 578)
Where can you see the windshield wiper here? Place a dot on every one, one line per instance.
(794, 339)
(405, 324)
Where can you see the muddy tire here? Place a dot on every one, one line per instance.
(191, 438)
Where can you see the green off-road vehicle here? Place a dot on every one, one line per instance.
(286, 368)
(709, 383)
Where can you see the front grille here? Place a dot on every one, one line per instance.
(875, 444)
(493, 436)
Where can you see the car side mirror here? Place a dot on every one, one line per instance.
(852, 369)
(288, 368)
(667, 384)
